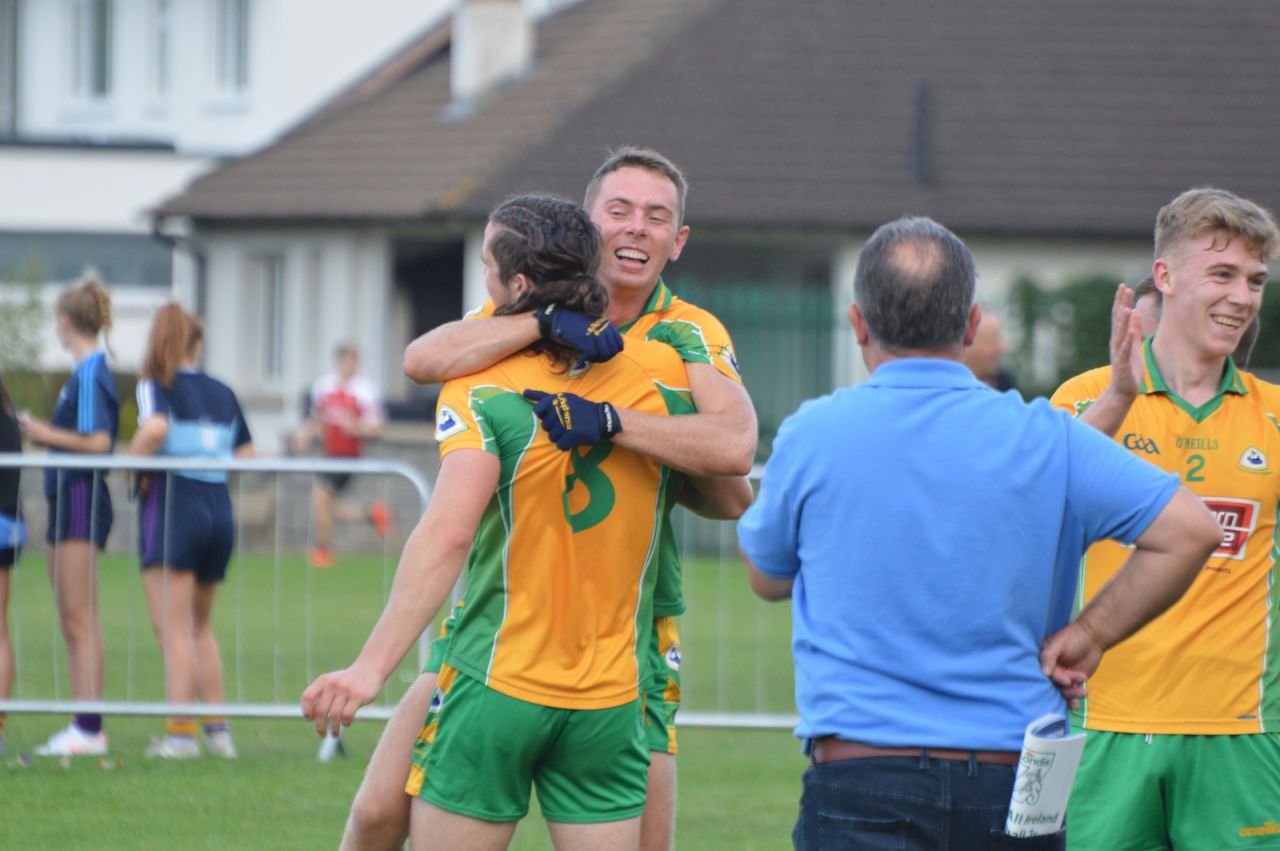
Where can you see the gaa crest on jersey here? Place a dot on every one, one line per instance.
(1254, 461)
(673, 657)
(579, 368)
(448, 423)
(437, 701)
(1238, 518)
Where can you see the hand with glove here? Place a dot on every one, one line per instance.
(596, 339)
(573, 421)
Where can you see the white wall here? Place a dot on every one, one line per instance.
(302, 52)
(99, 191)
(337, 287)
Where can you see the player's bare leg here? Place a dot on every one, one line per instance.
(612, 835)
(322, 499)
(74, 576)
(658, 822)
(380, 812)
(435, 829)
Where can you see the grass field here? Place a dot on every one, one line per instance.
(280, 623)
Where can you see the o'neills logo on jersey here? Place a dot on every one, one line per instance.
(1238, 518)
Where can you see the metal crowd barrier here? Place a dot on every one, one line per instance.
(736, 666)
(286, 706)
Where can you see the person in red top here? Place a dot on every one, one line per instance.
(346, 409)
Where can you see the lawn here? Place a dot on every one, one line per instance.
(280, 623)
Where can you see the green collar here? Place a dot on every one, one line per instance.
(659, 299)
(1153, 382)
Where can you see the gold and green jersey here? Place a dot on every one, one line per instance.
(1211, 663)
(560, 578)
(698, 337)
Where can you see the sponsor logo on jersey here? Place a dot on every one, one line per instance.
(1254, 461)
(673, 657)
(726, 355)
(1202, 444)
(1238, 518)
(448, 423)
(1138, 443)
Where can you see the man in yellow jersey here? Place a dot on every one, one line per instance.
(541, 681)
(637, 199)
(1182, 748)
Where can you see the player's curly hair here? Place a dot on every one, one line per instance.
(554, 244)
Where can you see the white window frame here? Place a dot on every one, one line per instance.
(91, 50)
(160, 26)
(230, 67)
(269, 284)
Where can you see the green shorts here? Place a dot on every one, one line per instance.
(479, 752)
(1139, 792)
(440, 644)
(662, 697)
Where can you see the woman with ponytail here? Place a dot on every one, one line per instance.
(185, 525)
(85, 420)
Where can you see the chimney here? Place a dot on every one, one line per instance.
(492, 41)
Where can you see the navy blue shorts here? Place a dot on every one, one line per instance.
(77, 506)
(9, 557)
(185, 524)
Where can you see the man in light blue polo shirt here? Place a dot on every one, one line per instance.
(928, 530)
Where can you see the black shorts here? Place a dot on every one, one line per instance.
(185, 524)
(337, 481)
(81, 511)
(9, 557)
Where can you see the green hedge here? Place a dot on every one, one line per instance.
(37, 392)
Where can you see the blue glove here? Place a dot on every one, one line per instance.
(573, 421)
(596, 339)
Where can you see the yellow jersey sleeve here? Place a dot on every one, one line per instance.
(458, 423)
(1077, 394)
(484, 311)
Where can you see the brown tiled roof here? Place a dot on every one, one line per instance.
(1000, 116)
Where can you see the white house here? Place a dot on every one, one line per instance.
(109, 106)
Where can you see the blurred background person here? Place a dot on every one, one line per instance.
(186, 529)
(985, 357)
(86, 419)
(12, 536)
(346, 409)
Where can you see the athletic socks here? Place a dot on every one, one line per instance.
(90, 724)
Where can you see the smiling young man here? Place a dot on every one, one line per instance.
(636, 199)
(1182, 750)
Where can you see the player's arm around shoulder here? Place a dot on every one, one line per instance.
(468, 345)
(430, 564)
(718, 440)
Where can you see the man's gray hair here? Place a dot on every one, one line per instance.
(914, 285)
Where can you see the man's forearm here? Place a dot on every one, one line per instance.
(429, 566)
(1156, 574)
(1108, 411)
(717, 497)
(465, 346)
(697, 444)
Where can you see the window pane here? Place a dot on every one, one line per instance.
(100, 46)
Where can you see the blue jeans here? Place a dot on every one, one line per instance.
(900, 803)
